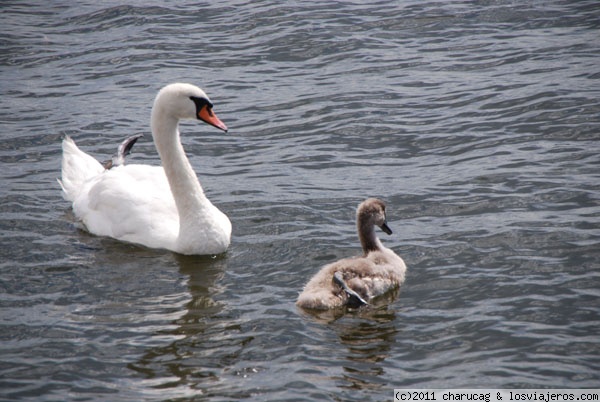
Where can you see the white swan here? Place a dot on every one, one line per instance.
(158, 207)
(353, 281)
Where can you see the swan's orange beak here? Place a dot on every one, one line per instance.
(208, 116)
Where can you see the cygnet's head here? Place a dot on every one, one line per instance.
(371, 212)
(186, 101)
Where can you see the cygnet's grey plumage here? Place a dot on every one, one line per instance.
(356, 280)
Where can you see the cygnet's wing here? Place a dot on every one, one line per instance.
(123, 150)
(354, 299)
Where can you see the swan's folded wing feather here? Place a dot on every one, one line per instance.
(131, 203)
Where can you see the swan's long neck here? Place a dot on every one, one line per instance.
(368, 237)
(187, 191)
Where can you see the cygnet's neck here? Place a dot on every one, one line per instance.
(368, 237)
(187, 191)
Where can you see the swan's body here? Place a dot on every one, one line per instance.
(354, 281)
(158, 207)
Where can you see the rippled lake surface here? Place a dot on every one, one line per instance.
(477, 122)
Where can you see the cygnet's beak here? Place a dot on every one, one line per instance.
(208, 116)
(386, 228)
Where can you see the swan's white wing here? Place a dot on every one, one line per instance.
(131, 203)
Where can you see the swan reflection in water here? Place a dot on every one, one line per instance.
(189, 358)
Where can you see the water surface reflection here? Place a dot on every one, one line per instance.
(197, 332)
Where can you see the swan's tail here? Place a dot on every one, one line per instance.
(77, 168)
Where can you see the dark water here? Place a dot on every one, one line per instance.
(477, 122)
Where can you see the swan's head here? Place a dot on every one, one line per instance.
(186, 101)
(371, 212)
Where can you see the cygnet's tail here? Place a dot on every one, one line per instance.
(77, 168)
